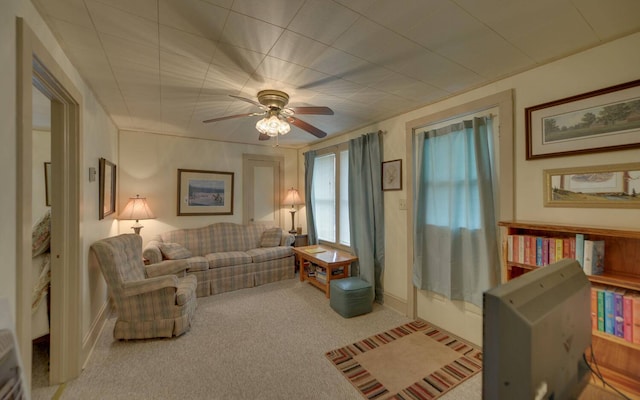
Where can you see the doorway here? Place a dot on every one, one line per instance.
(262, 188)
(36, 67)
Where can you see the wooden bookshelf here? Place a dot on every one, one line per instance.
(618, 359)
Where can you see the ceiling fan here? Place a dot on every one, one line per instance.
(277, 116)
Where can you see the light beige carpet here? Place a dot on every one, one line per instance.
(416, 360)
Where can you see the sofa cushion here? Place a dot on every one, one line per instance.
(173, 251)
(269, 253)
(271, 237)
(197, 263)
(225, 259)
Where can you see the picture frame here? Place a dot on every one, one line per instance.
(392, 175)
(205, 192)
(605, 186)
(107, 188)
(47, 183)
(602, 120)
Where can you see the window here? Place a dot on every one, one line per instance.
(331, 196)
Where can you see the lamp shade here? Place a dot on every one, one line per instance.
(292, 198)
(137, 208)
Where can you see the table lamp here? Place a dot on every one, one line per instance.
(294, 199)
(137, 208)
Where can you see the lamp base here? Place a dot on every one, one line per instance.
(293, 229)
(136, 228)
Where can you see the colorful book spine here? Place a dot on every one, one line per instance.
(618, 316)
(580, 249)
(545, 251)
(594, 308)
(539, 242)
(559, 251)
(510, 248)
(593, 257)
(521, 249)
(627, 309)
(635, 334)
(609, 312)
(566, 248)
(552, 251)
(601, 310)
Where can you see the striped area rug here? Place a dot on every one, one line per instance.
(456, 361)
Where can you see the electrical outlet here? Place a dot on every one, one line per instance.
(403, 204)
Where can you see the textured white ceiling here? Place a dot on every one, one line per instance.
(167, 65)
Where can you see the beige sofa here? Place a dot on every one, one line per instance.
(226, 256)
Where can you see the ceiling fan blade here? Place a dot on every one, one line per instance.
(227, 117)
(255, 103)
(264, 136)
(307, 127)
(312, 110)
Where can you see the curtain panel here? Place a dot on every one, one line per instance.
(366, 209)
(455, 232)
(309, 161)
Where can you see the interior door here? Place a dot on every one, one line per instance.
(262, 187)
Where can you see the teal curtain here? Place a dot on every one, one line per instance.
(366, 209)
(455, 229)
(309, 160)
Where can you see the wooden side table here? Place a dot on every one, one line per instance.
(330, 259)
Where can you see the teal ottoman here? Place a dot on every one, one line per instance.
(351, 297)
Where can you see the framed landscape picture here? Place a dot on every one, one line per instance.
(205, 192)
(605, 186)
(602, 120)
(107, 188)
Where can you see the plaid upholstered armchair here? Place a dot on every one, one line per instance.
(151, 301)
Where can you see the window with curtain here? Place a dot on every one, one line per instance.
(455, 249)
(330, 196)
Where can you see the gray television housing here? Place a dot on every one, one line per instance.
(536, 329)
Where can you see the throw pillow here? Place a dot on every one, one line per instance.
(271, 237)
(174, 251)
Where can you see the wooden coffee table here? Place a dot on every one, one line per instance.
(327, 257)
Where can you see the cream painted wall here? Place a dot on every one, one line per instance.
(149, 163)
(99, 136)
(612, 63)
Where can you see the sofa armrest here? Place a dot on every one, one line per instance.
(152, 252)
(167, 267)
(287, 239)
(133, 288)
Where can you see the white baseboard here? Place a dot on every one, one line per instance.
(395, 303)
(92, 336)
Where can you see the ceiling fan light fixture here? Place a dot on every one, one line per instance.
(273, 126)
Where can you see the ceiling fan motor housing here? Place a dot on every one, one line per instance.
(274, 99)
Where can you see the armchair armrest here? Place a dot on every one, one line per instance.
(152, 252)
(167, 267)
(133, 288)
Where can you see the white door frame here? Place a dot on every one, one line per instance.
(37, 67)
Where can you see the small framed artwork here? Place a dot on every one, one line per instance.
(605, 186)
(392, 175)
(107, 188)
(205, 192)
(47, 183)
(602, 120)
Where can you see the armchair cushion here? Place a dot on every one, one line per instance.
(271, 237)
(174, 251)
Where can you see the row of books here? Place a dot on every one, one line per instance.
(542, 250)
(616, 312)
(320, 273)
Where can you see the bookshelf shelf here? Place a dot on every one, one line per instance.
(619, 358)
